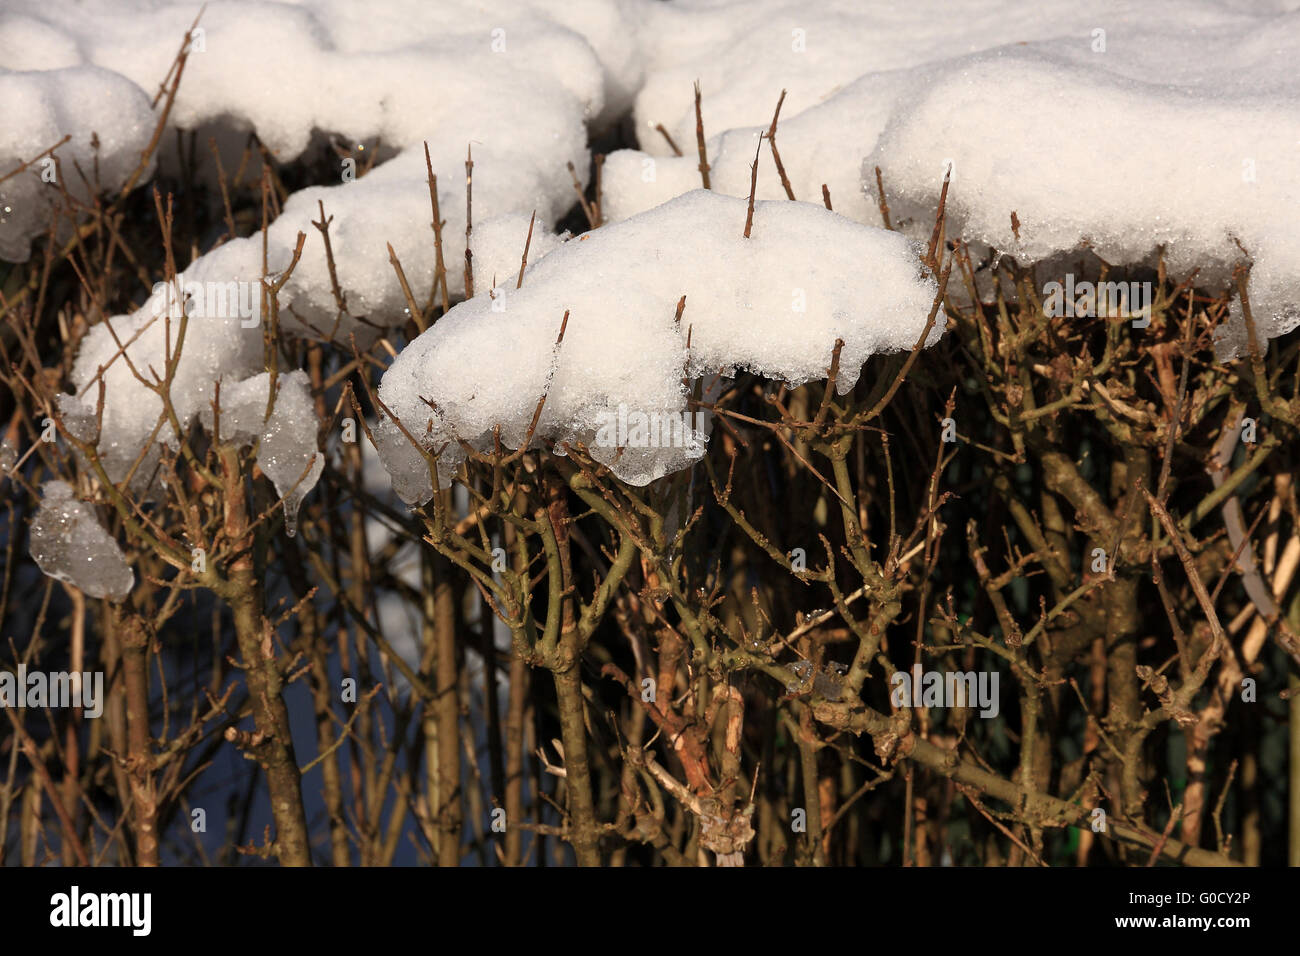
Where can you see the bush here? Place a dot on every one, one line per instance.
(1014, 598)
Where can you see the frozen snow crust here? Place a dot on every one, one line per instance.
(774, 304)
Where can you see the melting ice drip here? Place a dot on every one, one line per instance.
(286, 441)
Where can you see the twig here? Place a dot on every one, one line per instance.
(699, 139)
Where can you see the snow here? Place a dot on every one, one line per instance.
(773, 304)
(1234, 176)
(518, 81)
(215, 349)
(821, 145)
(498, 248)
(744, 52)
(1138, 126)
(37, 110)
(392, 205)
(392, 70)
(215, 346)
(286, 440)
(1121, 127)
(69, 545)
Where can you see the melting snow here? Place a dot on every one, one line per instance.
(70, 546)
(774, 304)
(1122, 126)
(286, 441)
